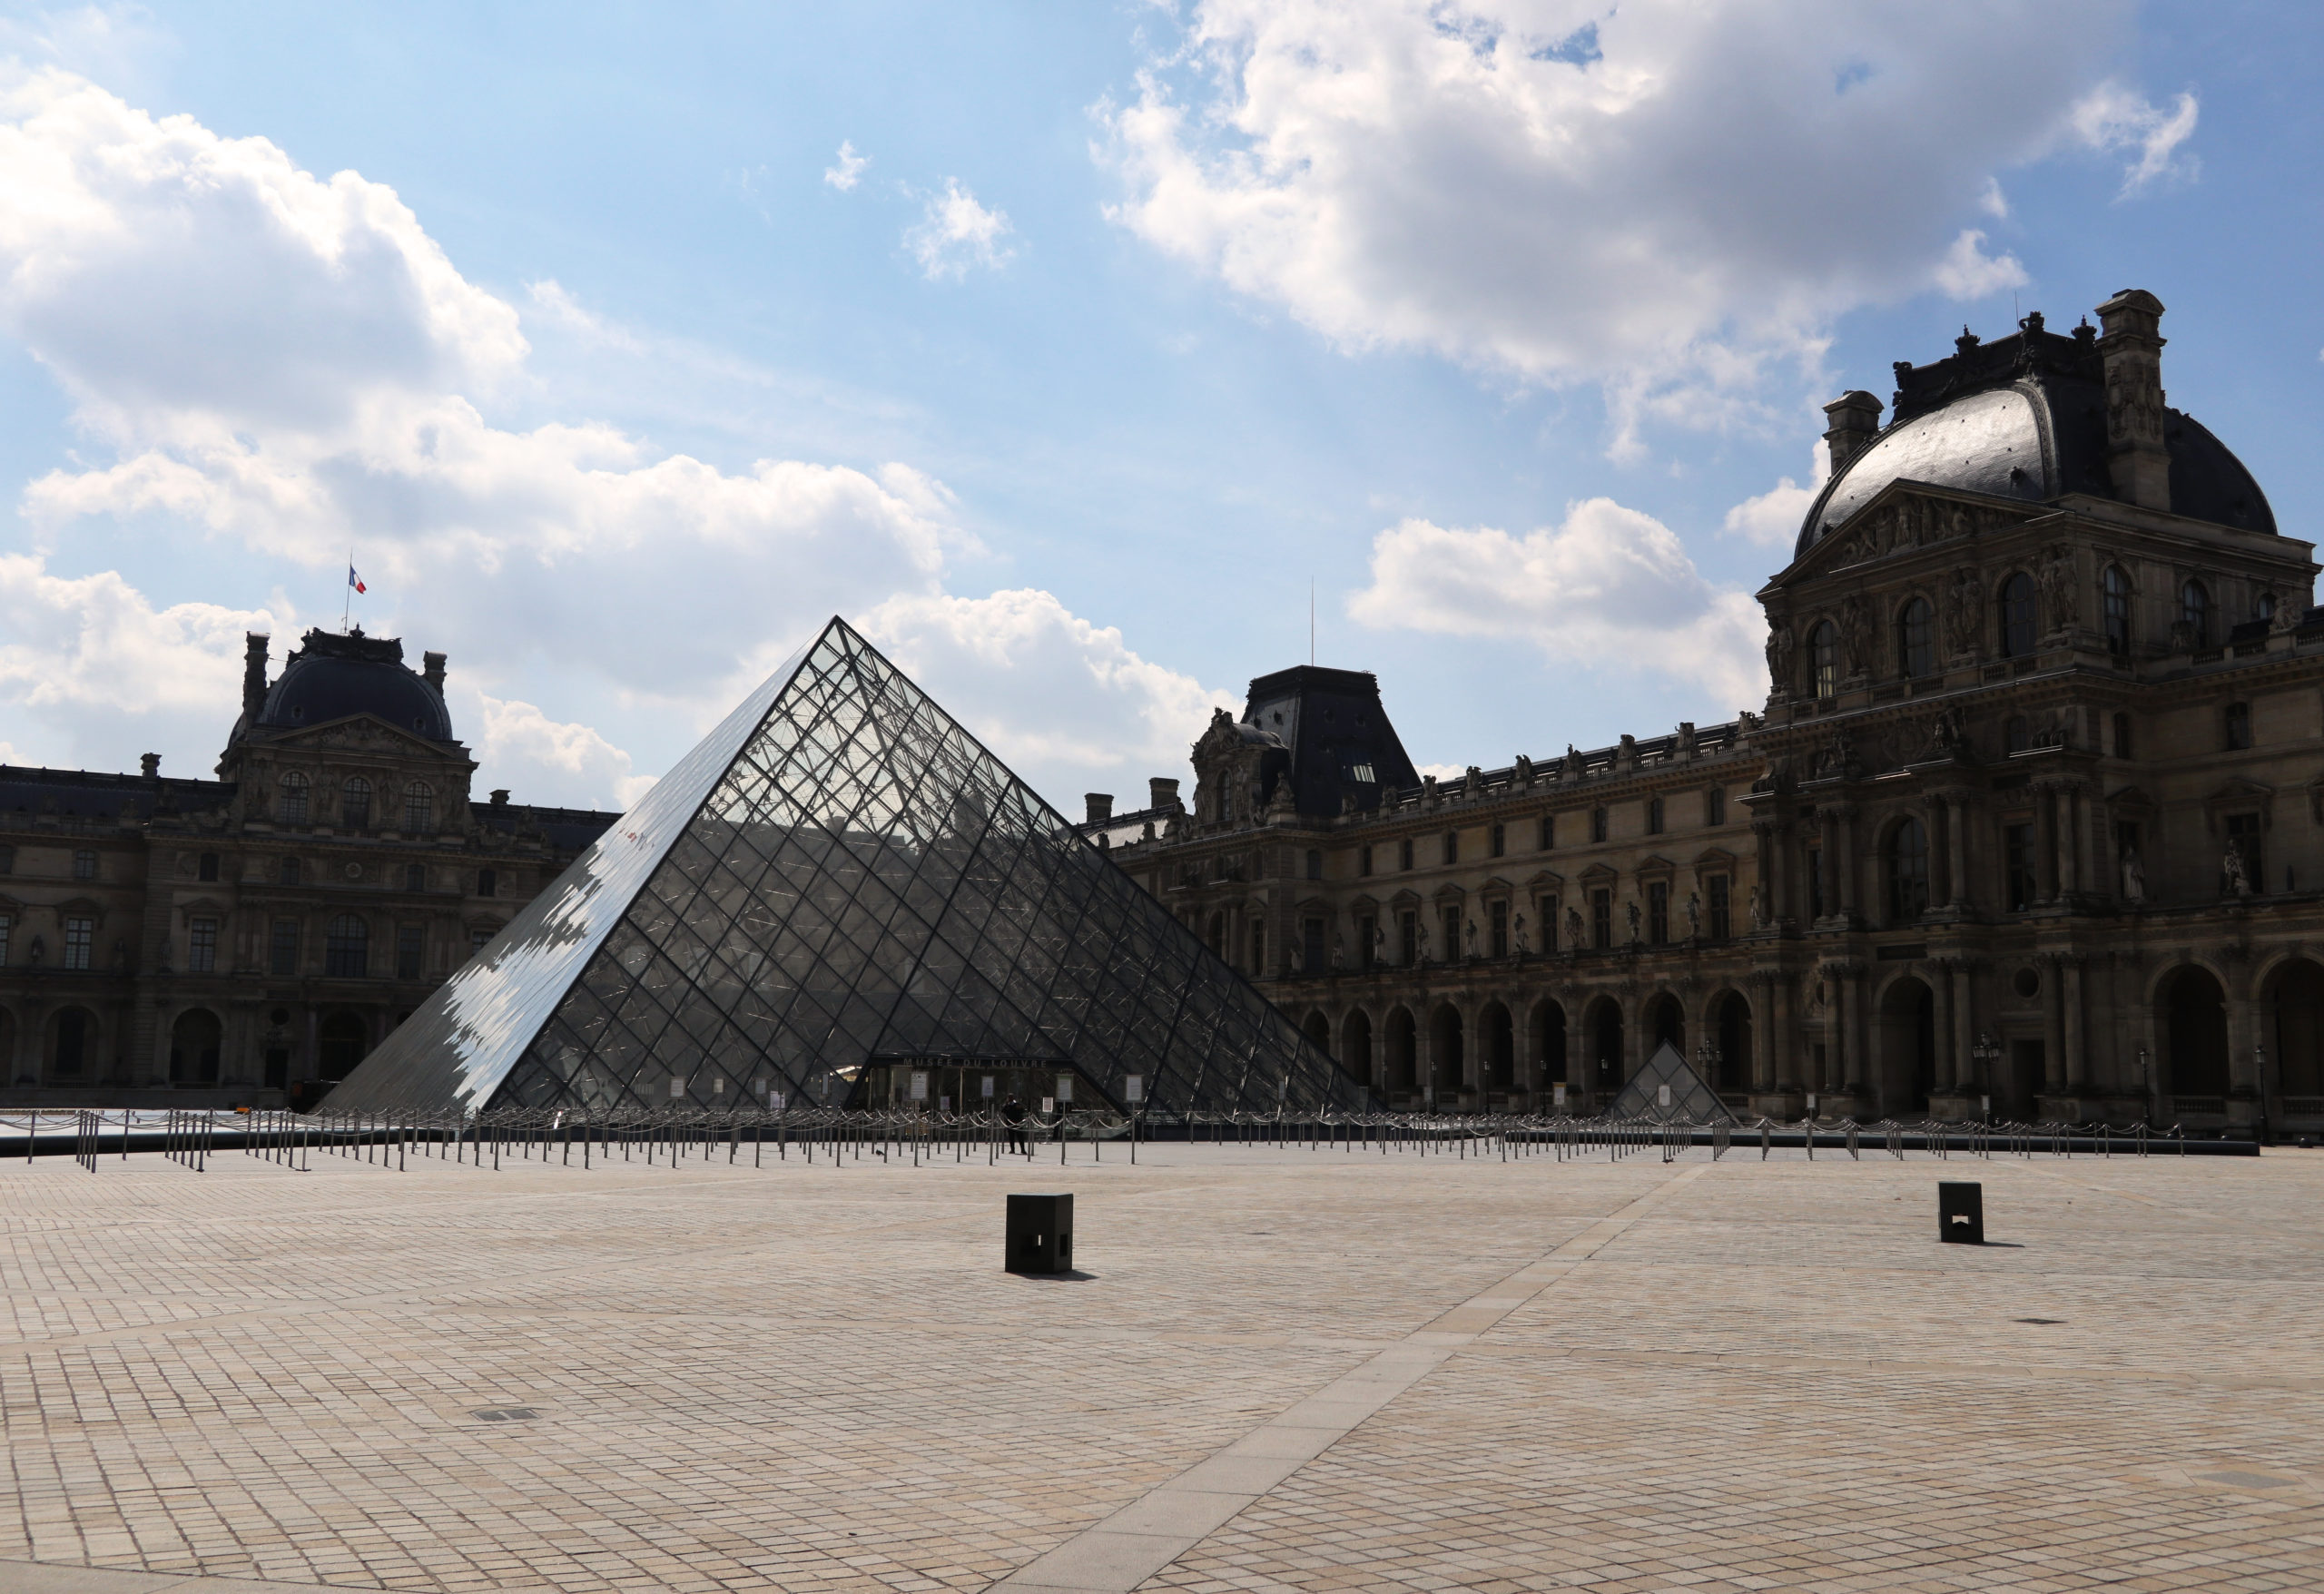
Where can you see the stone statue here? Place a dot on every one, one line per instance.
(1962, 608)
(1855, 635)
(1473, 938)
(1694, 917)
(1521, 948)
(1632, 907)
(1338, 951)
(2058, 594)
(1759, 908)
(1781, 645)
(1572, 933)
(2238, 878)
(2133, 876)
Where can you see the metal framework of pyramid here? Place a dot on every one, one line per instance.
(1691, 1099)
(837, 876)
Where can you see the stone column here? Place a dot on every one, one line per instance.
(1836, 1030)
(1840, 856)
(1964, 1026)
(2069, 828)
(1763, 1032)
(1940, 973)
(1767, 837)
(1581, 1075)
(2077, 1061)
(1956, 849)
(2054, 1029)
(2045, 841)
(1859, 1030)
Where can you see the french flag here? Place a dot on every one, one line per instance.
(355, 581)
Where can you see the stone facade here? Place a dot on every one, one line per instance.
(245, 941)
(2032, 823)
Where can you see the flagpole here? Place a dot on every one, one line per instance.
(346, 604)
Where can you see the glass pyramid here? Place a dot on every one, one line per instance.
(839, 876)
(1690, 1099)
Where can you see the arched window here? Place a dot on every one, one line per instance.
(2265, 609)
(1907, 871)
(354, 803)
(1916, 640)
(418, 809)
(2017, 617)
(347, 948)
(1824, 659)
(293, 808)
(2116, 587)
(2195, 613)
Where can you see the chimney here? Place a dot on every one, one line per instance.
(500, 797)
(253, 674)
(1162, 793)
(1102, 806)
(2131, 349)
(432, 670)
(1856, 421)
(150, 765)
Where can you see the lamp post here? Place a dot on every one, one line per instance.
(2259, 1077)
(2146, 1088)
(1987, 1051)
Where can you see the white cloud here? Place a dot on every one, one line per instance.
(850, 170)
(1772, 519)
(292, 363)
(955, 233)
(1993, 201)
(1671, 197)
(1967, 271)
(1064, 703)
(2114, 119)
(545, 761)
(1608, 588)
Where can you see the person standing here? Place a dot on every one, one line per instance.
(1012, 1112)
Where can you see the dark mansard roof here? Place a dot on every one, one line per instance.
(1335, 739)
(331, 677)
(2024, 417)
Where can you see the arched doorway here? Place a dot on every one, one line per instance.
(1402, 1058)
(72, 1047)
(1548, 1026)
(1318, 1029)
(1446, 1061)
(1355, 1046)
(1603, 1025)
(1666, 1022)
(1497, 1043)
(1734, 1029)
(2194, 1030)
(1908, 1046)
(194, 1042)
(2298, 998)
(9, 1051)
(344, 1040)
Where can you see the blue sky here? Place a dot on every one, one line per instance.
(1503, 326)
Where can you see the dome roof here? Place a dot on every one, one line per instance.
(2024, 417)
(332, 677)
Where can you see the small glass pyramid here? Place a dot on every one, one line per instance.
(840, 876)
(1688, 1099)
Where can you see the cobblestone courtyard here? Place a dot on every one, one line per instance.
(1281, 1368)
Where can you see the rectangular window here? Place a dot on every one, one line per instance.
(1452, 918)
(1258, 948)
(206, 867)
(1549, 906)
(1721, 908)
(1408, 924)
(2239, 726)
(414, 877)
(1601, 918)
(2019, 886)
(282, 948)
(1658, 913)
(202, 946)
(1549, 831)
(1451, 846)
(1404, 853)
(1367, 929)
(1597, 824)
(290, 872)
(1500, 917)
(2121, 735)
(278, 1066)
(1363, 860)
(84, 863)
(1311, 945)
(1814, 882)
(477, 940)
(7, 860)
(1314, 863)
(2243, 835)
(411, 947)
(1654, 816)
(80, 936)
(7, 924)
(1715, 805)
(1500, 840)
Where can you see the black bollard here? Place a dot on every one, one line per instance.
(1961, 1212)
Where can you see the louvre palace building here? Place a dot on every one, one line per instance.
(245, 941)
(2032, 824)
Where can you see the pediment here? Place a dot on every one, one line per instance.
(366, 732)
(1713, 858)
(1544, 878)
(1901, 517)
(1655, 863)
(1599, 874)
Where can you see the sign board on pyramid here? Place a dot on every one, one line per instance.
(838, 878)
(1691, 1099)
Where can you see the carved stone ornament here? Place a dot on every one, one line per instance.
(1856, 633)
(1781, 647)
(2060, 594)
(1963, 604)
